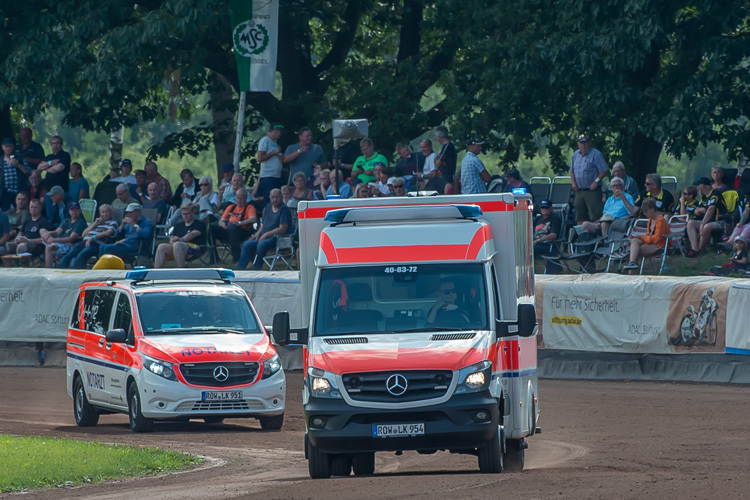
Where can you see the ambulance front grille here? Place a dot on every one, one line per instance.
(421, 384)
(346, 340)
(224, 374)
(218, 406)
(452, 336)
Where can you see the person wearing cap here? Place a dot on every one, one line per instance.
(57, 211)
(99, 232)
(474, 176)
(133, 230)
(513, 180)
(78, 186)
(431, 178)
(15, 176)
(188, 235)
(652, 189)
(446, 159)
(547, 227)
(123, 198)
(29, 152)
(587, 169)
(737, 261)
(126, 176)
(28, 239)
(712, 208)
(304, 155)
(61, 240)
(364, 166)
(270, 159)
(618, 206)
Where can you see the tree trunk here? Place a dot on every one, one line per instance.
(223, 107)
(644, 157)
(116, 139)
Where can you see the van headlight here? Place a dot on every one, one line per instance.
(474, 378)
(271, 366)
(161, 368)
(322, 384)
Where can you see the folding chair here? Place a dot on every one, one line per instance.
(616, 246)
(540, 187)
(88, 210)
(284, 249)
(560, 190)
(555, 245)
(669, 183)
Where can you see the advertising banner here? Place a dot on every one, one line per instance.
(255, 27)
(738, 316)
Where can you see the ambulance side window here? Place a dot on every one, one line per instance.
(496, 293)
(97, 306)
(123, 316)
(75, 317)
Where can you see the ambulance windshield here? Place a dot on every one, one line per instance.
(196, 311)
(401, 298)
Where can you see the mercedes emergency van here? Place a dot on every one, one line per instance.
(171, 344)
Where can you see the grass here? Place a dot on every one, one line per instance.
(42, 462)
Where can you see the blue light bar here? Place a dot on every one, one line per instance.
(144, 274)
(336, 215)
(518, 191)
(226, 274)
(469, 211)
(137, 274)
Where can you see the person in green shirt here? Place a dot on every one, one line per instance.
(364, 165)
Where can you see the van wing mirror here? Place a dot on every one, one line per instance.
(280, 330)
(526, 319)
(116, 336)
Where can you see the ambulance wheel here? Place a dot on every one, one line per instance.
(515, 455)
(318, 463)
(86, 415)
(364, 464)
(271, 423)
(213, 420)
(490, 456)
(341, 465)
(138, 423)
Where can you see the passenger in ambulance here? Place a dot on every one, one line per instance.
(445, 311)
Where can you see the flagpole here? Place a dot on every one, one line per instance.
(240, 127)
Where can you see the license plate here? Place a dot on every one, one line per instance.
(222, 395)
(394, 430)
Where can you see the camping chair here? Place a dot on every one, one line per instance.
(88, 209)
(284, 249)
(677, 229)
(552, 255)
(560, 190)
(617, 247)
(540, 188)
(581, 247)
(669, 183)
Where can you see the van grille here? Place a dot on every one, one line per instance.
(453, 336)
(421, 384)
(240, 373)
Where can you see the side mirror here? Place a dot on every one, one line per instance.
(526, 319)
(280, 331)
(117, 336)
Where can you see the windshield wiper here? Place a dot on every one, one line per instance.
(206, 329)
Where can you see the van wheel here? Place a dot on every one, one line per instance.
(271, 423)
(318, 463)
(364, 464)
(490, 456)
(138, 423)
(213, 420)
(341, 465)
(515, 455)
(86, 415)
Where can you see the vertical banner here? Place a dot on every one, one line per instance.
(255, 26)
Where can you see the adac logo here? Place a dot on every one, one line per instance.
(250, 38)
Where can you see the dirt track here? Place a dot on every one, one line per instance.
(600, 440)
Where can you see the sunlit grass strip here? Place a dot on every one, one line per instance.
(42, 462)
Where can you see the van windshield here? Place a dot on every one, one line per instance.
(401, 298)
(196, 311)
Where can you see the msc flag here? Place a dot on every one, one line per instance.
(254, 35)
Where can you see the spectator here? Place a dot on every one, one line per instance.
(229, 194)
(56, 209)
(631, 186)
(186, 190)
(277, 219)
(689, 202)
(126, 167)
(227, 172)
(5, 230)
(712, 208)
(152, 173)
(36, 188)
(513, 180)
(547, 227)
(300, 192)
(447, 159)
(717, 175)
(619, 206)
(139, 190)
(123, 197)
(664, 199)
(737, 262)
(587, 170)
(338, 186)
(325, 183)
(653, 241)
(432, 177)
(362, 191)
(381, 180)
(474, 177)
(14, 177)
(314, 182)
(56, 165)
(207, 200)
(29, 153)
(78, 187)
(364, 165)
(741, 229)
(304, 155)
(18, 214)
(409, 162)
(270, 159)
(28, 239)
(154, 200)
(286, 193)
(133, 230)
(61, 240)
(113, 175)
(188, 235)
(236, 224)
(99, 232)
(399, 187)
(344, 156)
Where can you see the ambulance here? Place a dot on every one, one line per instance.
(422, 330)
(171, 344)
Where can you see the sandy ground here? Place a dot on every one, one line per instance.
(600, 440)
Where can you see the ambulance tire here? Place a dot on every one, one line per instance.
(490, 456)
(213, 420)
(318, 463)
(515, 455)
(364, 464)
(86, 415)
(271, 423)
(138, 423)
(341, 465)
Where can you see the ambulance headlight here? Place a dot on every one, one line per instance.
(271, 366)
(322, 384)
(474, 378)
(165, 370)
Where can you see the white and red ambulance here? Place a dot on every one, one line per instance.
(422, 329)
(171, 344)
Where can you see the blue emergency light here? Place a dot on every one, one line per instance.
(518, 191)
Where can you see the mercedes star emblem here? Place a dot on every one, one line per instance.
(221, 374)
(396, 384)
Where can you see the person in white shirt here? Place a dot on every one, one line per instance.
(126, 176)
(430, 178)
(270, 159)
